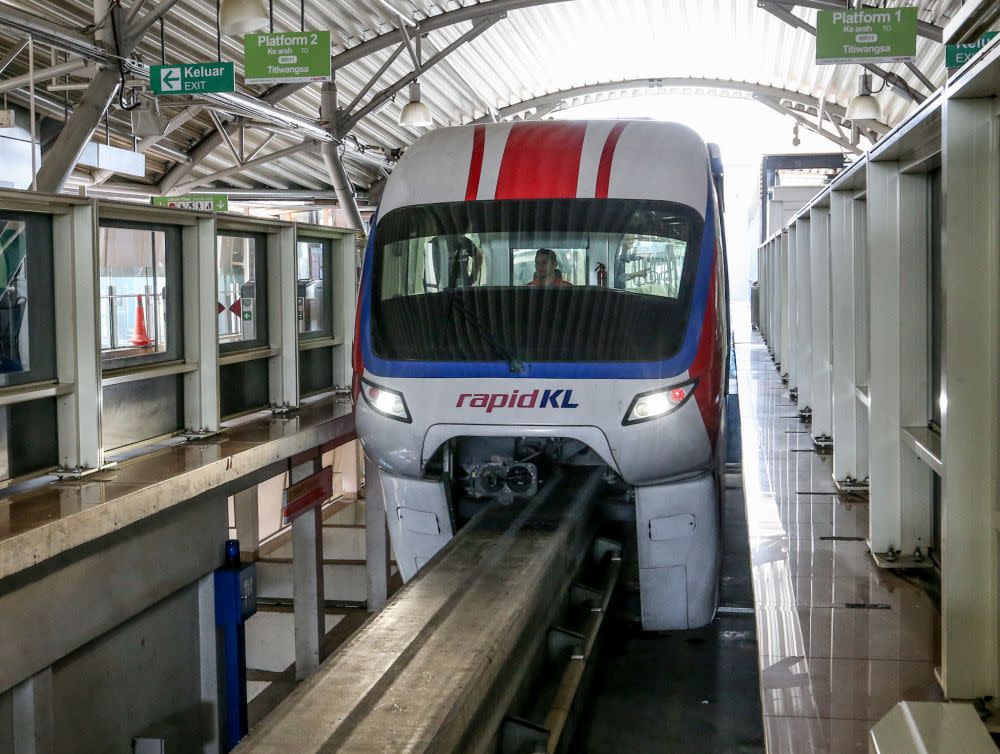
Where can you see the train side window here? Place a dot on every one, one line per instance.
(242, 294)
(27, 332)
(313, 263)
(140, 294)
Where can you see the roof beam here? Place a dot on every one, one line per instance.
(814, 127)
(194, 183)
(897, 84)
(425, 26)
(58, 163)
(651, 86)
(390, 38)
(350, 120)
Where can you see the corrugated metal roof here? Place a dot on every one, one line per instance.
(532, 52)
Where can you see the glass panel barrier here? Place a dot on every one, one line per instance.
(15, 346)
(140, 320)
(241, 301)
(314, 289)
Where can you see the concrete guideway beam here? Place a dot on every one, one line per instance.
(470, 622)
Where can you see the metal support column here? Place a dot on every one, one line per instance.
(77, 361)
(970, 431)
(208, 648)
(847, 460)
(803, 313)
(308, 590)
(819, 271)
(790, 363)
(201, 387)
(862, 329)
(899, 510)
(87, 114)
(781, 300)
(334, 164)
(376, 540)
(246, 513)
(282, 317)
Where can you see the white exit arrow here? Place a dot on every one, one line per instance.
(170, 79)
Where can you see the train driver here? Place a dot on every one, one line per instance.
(547, 271)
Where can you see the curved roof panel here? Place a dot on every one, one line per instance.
(538, 48)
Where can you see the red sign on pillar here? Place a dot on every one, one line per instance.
(307, 494)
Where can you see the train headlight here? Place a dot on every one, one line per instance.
(386, 402)
(656, 403)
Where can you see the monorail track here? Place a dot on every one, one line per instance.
(448, 664)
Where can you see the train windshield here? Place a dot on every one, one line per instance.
(534, 280)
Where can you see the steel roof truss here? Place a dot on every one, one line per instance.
(225, 136)
(897, 84)
(348, 122)
(924, 29)
(374, 79)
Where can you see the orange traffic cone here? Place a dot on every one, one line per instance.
(139, 336)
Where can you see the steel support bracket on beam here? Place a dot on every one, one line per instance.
(519, 736)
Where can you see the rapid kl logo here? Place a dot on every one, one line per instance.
(516, 399)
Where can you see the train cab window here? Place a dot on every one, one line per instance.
(456, 281)
(27, 334)
(315, 292)
(571, 265)
(649, 265)
(242, 294)
(140, 294)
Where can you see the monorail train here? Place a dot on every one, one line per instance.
(542, 294)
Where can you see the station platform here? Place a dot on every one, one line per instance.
(841, 641)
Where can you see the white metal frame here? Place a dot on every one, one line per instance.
(971, 374)
(822, 368)
(879, 338)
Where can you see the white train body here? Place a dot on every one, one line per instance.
(465, 370)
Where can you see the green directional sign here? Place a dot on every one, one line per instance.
(287, 57)
(192, 78)
(866, 35)
(955, 56)
(203, 202)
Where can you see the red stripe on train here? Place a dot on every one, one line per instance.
(541, 161)
(707, 363)
(476, 167)
(607, 155)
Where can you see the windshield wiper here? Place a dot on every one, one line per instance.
(513, 363)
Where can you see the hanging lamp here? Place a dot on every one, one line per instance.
(242, 16)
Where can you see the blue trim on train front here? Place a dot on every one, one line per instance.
(675, 365)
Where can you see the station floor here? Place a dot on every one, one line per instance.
(840, 640)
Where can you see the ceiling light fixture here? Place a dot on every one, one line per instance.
(864, 108)
(242, 16)
(415, 112)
